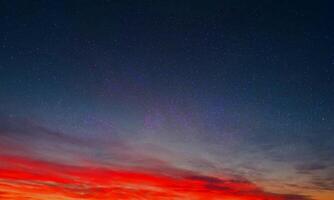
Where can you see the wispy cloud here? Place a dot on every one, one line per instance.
(33, 167)
(26, 177)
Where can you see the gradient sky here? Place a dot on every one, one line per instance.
(174, 100)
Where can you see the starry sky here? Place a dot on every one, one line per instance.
(177, 100)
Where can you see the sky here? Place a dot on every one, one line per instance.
(166, 100)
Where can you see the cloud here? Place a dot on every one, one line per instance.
(311, 167)
(103, 169)
(321, 175)
(207, 179)
(30, 177)
(323, 182)
(22, 131)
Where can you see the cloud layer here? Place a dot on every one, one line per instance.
(34, 167)
(25, 178)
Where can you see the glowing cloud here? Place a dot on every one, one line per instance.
(26, 178)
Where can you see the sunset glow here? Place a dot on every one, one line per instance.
(24, 178)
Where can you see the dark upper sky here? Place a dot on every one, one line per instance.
(236, 82)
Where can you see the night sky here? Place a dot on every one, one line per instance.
(166, 100)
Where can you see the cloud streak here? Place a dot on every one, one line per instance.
(25, 177)
(112, 169)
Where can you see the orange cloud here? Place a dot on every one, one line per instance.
(26, 178)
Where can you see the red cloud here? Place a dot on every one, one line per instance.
(25, 178)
